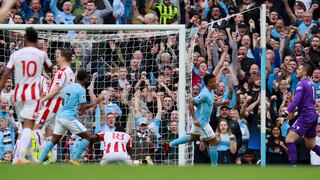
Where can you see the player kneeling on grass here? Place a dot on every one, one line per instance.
(116, 146)
(204, 102)
(74, 98)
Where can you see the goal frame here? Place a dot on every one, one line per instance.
(182, 60)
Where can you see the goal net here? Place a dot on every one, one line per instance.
(144, 73)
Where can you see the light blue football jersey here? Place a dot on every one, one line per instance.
(204, 103)
(73, 95)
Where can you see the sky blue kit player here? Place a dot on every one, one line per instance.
(74, 97)
(201, 127)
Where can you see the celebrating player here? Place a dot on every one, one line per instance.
(305, 125)
(74, 98)
(53, 100)
(27, 64)
(201, 118)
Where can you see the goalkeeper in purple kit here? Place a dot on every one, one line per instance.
(305, 125)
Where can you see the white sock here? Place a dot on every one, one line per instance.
(38, 136)
(25, 141)
(30, 153)
(54, 154)
(16, 152)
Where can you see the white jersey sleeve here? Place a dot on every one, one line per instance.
(47, 60)
(10, 64)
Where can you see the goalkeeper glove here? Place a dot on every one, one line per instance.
(284, 114)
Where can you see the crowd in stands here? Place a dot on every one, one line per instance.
(138, 76)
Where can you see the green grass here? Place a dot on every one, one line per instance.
(96, 172)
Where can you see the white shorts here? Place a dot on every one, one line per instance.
(119, 158)
(27, 110)
(74, 126)
(46, 118)
(206, 131)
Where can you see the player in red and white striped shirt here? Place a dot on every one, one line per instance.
(53, 100)
(27, 64)
(116, 143)
(116, 147)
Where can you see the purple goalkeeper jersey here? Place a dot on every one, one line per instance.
(304, 99)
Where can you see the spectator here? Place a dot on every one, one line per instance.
(118, 11)
(80, 9)
(276, 149)
(7, 92)
(8, 155)
(171, 15)
(249, 158)
(143, 142)
(244, 130)
(172, 157)
(62, 17)
(49, 18)
(35, 9)
(232, 125)
(93, 11)
(227, 145)
(316, 80)
(7, 126)
(18, 19)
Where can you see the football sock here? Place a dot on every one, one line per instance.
(25, 140)
(30, 153)
(16, 152)
(38, 136)
(292, 153)
(213, 155)
(181, 140)
(45, 151)
(82, 147)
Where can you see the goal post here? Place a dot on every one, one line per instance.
(185, 152)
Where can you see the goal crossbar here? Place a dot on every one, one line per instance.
(90, 27)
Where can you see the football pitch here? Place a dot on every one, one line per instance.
(113, 172)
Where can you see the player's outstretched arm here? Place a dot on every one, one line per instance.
(103, 118)
(86, 106)
(6, 6)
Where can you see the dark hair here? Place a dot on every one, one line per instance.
(50, 12)
(31, 35)
(66, 54)
(308, 68)
(82, 75)
(92, 1)
(18, 14)
(207, 78)
(272, 138)
(109, 114)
